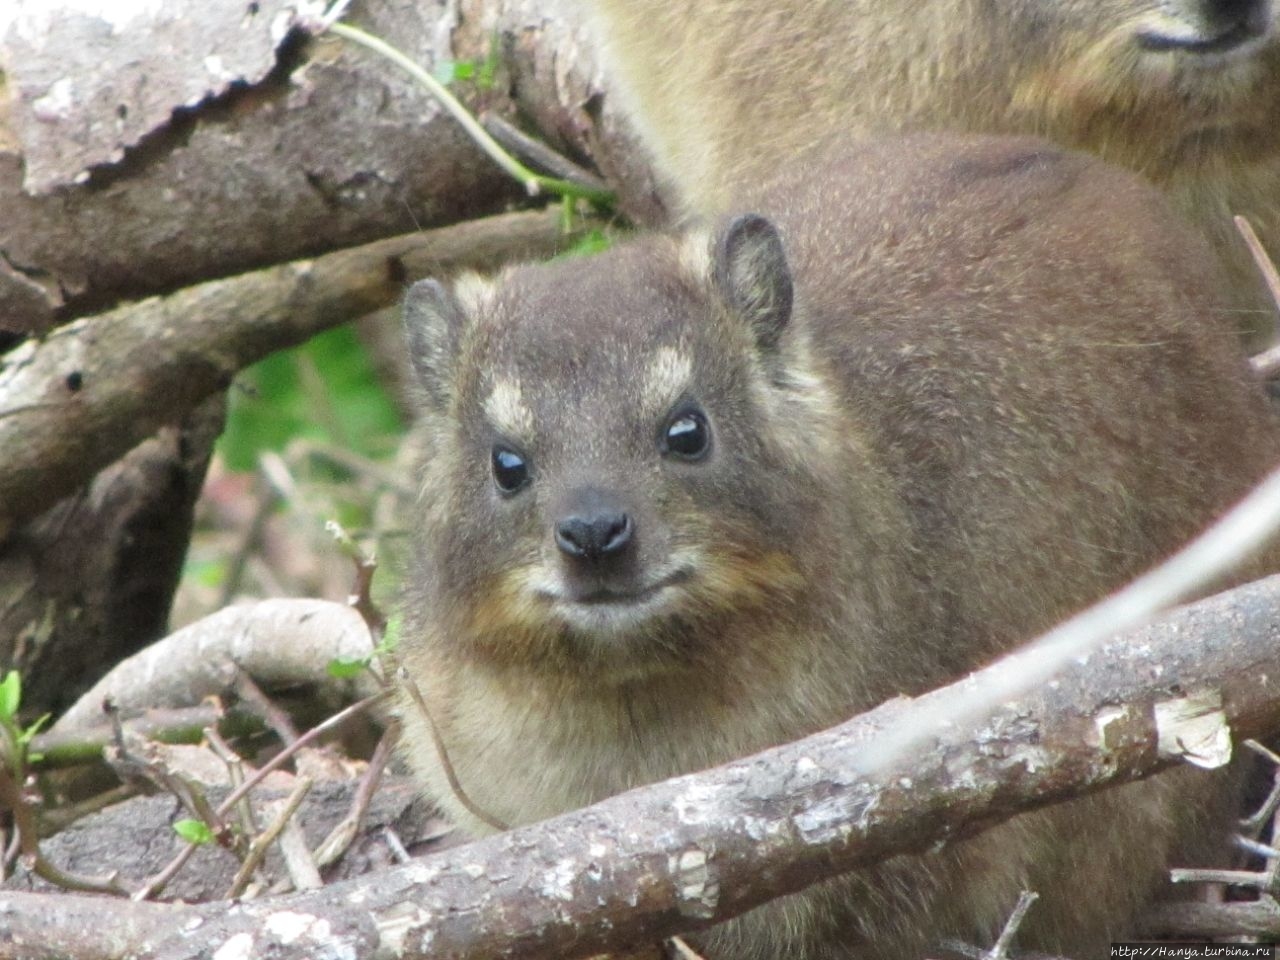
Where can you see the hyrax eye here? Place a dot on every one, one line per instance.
(510, 469)
(687, 435)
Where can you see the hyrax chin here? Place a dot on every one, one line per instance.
(1184, 92)
(707, 493)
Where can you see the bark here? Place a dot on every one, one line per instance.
(279, 643)
(90, 581)
(695, 850)
(87, 393)
(209, 139)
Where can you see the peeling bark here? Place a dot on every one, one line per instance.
(315, 147)
(689, 852)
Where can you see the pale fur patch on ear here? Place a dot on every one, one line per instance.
(694, 256)
(665, 379)
(473, 292)
(506, 410)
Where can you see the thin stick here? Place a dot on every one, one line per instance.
(534, 182)
(1223, 547)
(445, 762)
(262, 842)
(1001, 949)
(339, 839)
(1266, 266)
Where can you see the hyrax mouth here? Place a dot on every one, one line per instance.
(624, 596)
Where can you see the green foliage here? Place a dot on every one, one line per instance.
(453, 71)
(194, 831)
(482, 72)
(14, 738)
(593, 241)
(10, 697)
(325, 390)
(343, 668)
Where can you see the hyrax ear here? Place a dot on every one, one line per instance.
(750, 269)
(433, 322)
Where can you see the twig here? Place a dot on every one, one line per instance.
(305, 740)
(339, 839)
(534, 182)
(304, 873)
(130, 764)
(1225, 545)
(1264, 850)
(360, 598)
(398, 851)
(235, 771)
(445, 763)
(1266, 266)
(684, 951)
(155, 885)
(1233, 878)
(264, 706)
(279, 642)
(27, 837)
(1266, 363)
(1000, 951)
(261, 843)
(538, 153)
(1269, 808)
(50, 444)
(65, 748)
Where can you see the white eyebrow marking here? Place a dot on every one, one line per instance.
(665, 379)
(694, 256)
(506, 410)
(473, 292)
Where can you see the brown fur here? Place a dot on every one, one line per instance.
(995, 397)
(729, 91)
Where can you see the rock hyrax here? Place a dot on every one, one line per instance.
(1184, 92)
(705, 493)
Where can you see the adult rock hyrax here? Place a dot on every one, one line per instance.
(706, 493)
(1184, 92)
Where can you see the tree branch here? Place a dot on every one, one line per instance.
(90, 391)
(698, 849)
(277, 642)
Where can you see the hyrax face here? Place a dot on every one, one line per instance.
(1177, 81)
(597, 445)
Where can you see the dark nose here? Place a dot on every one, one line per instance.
(594, 534)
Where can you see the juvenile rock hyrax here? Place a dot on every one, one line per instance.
(706, 493)
(1184, 92)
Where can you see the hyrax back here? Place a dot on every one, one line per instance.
(704, 494)
(1185, 92)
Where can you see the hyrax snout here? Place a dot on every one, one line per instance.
(907, 406)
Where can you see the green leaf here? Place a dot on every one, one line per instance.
(489, 69)
(194, 831)
(593, 241)
(25, 736)
(390, 636)
(343, 668)
(449, 71)
(10, 695)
